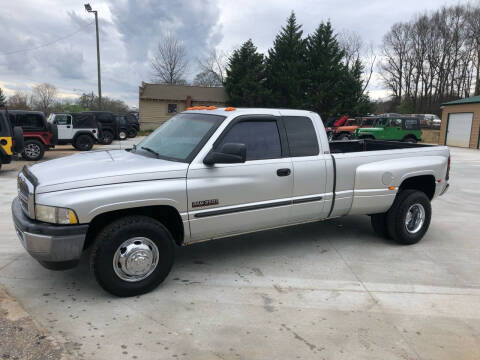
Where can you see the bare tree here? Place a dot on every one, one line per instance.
(433, 58)
(214, 64)
(18, 101)
(355, 49)
(352, 44)
(170, 61)
(208, 79)
(43, 97)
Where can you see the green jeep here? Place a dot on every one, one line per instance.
(405, 129)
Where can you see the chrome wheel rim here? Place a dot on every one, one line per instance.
(135, 259)
(123, 135)
(32, 150)
(415, 218)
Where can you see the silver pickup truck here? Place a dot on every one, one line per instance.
(212, 173)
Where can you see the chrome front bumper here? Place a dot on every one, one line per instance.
(56, 247)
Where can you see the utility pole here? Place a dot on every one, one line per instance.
(89, 9)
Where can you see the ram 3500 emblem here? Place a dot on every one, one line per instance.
(204, 203)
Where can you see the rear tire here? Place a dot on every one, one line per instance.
(379, 225)
(107, 137)
(132, 255)
(409, 217)
(132, 133)
(33, 150)
(410, 140)
(83, 143)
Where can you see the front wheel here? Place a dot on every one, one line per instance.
(122, 134)
(132, 255)
(409, 217)
(33, 150)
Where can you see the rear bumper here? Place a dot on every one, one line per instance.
(56, 247)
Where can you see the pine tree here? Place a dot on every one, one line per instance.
(333, 88)
(286, 67)
(327, 74)
(3, 99)
(246, 76)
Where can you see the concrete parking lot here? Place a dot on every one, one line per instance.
(330, 290)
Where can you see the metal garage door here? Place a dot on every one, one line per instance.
(459, 129)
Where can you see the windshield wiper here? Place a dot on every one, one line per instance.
(150, 151)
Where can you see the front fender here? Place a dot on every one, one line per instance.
(89, 202)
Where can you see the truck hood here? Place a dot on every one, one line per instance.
(102, 168)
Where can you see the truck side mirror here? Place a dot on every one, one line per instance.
(229, 153)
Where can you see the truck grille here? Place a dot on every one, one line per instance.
(24, 194)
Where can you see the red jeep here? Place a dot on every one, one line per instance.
(37, 133)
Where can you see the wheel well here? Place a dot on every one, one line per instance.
(167, 215)
(36, 138)
(423, 183)
(409, 136)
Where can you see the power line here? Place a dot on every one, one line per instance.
(49, 43)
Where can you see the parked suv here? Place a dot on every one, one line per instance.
(11, 139)
(346, 131)
(78, 129)
(127, 125)
(39, 135)
(406, 129)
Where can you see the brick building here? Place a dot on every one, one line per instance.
(461, 123)
(159, 102)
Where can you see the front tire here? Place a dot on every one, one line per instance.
(132, 255)
(122, 134)
(33, 150)
(409, 217)
(344, 137)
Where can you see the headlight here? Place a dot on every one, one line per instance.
(55, 215)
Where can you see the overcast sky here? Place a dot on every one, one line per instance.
(129, 33)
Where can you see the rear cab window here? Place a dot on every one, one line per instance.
(301, 135)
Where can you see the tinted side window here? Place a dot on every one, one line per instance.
(104, 117)
(29, 121)
(302, 138)
(260, 137)
(396, 122)
(63, 119)
(411, 124)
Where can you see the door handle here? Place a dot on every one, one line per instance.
(283, 172)
(68, 126)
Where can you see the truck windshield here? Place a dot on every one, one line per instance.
(180, 137)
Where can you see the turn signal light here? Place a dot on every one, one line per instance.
(391, 188)
(230, 108)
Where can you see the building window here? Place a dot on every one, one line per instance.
(172, 108)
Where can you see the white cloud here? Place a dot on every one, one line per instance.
(130, 31)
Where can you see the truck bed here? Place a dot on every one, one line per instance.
(339, 147)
